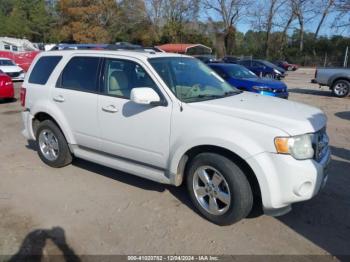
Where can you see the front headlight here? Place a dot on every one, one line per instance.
(277, 72)
(300, 147)
(263, 88)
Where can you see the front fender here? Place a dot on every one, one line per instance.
(239, 143)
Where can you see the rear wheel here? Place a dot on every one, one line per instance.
(341, 88)
(52, 146)
(219, 189)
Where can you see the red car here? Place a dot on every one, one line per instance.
(6, 87)
(287, 66)
(22, 59)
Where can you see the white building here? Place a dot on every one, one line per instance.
(16, 45)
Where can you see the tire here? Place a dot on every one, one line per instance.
(52, 146)
(341, 88)
(234, 189)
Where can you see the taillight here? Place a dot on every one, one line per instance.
(23, 96)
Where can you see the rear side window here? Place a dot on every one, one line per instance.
(81, 74)
(43, 69)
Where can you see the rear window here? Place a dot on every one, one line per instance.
(81, 74)
(43, 69)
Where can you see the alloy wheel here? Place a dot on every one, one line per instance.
(211, 190)
(48, 144)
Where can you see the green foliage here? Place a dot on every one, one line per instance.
(108, 21)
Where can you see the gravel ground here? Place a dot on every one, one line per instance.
(90, 209)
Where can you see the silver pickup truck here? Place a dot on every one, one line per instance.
(338, 80)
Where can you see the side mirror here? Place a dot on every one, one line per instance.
(144, 96)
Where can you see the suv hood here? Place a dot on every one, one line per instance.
(291, 117)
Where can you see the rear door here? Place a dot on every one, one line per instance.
(138, 133)
(76, 97)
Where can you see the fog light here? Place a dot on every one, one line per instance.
(304, 189)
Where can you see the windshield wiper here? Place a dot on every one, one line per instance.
(204, 96)
(230, 93)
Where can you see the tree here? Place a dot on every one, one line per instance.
(302, 9)
(172, 15)
(229, 11)
(273, 7)
(342, 20)
(86, 21)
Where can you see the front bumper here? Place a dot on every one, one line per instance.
(284, 180)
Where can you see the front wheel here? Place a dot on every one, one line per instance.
(219, 189)
(341, 88)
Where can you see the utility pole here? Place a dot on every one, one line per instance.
(346, 57)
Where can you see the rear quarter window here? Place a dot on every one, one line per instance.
(43, 69)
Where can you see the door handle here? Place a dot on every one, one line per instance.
(110, 109)
(59, 99)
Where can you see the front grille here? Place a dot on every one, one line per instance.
(320, 144)
(14, 74)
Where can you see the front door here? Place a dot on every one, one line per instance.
(128, 130)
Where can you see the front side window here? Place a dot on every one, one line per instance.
(190, 79)
(14, 48)
(81, 74)
(121, 76)
(7, 47)
(43, 69)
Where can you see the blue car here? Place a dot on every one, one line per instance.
(246, 80)
(263, 68)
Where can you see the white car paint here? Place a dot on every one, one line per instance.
(8, 69)
(152, 142)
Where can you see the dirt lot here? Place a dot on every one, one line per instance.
(89, 209)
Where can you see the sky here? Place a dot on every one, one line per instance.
(326, 30)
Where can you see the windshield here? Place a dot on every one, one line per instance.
(239, 72)
(6, 63)
(269, 64)
(190, 79)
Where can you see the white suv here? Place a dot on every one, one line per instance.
(171, 119)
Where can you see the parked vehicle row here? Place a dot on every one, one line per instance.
(172, 119)
(246, 80)
(263, 68)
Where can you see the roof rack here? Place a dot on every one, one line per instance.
(116, 47)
